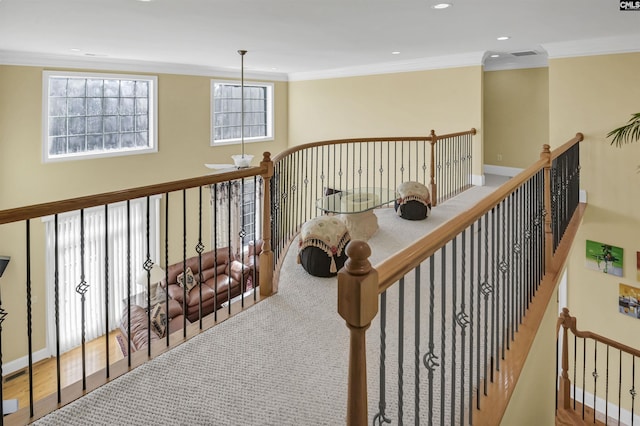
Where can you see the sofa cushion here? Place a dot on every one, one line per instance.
(190, 281)
(159, 320)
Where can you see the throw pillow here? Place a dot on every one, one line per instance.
(159, 320)
(191, 280)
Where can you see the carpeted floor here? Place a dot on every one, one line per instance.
(282, 362)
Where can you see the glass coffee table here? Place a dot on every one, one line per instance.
(356, 209)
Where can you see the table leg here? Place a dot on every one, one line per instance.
(361, 226)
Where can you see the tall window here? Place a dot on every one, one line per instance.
(226, 122)
(122, 269)
(97, 115)
(236, 213)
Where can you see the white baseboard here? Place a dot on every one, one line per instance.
(477, 180)
(582, 196)
(625, 415)
(501, 171)
(20, 363)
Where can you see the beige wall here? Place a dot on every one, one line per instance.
(183, 140)
(533, 399)
(402, 104)
(516, 116)
(594, 95)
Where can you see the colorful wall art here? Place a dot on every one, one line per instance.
(604, 258)
(628, 300)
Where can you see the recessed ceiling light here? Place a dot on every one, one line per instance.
(502, 38)
(395, 53)
(441, 6)
(75, 49)
(495, 56)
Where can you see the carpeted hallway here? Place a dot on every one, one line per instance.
(282, 362)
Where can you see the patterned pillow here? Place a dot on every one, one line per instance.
(159, 320)
(191, 280)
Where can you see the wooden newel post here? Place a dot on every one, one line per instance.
(433, 189)
(266, 256)
(358, 305)
(548, 233)
(565, 383)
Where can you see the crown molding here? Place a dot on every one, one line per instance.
(422, 64)
(124, 65)
(592, 47)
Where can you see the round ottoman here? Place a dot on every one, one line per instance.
(413, 202)
(321, 247)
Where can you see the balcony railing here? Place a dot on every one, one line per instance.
(107, 264)
(454, 300)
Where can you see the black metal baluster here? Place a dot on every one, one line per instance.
(215, 252)
(595, 377)
(381, 416)
(632, 391)
(486, 289)
(472, 304)
(106, 286)
(429, 359)
(56, 306)
(417, 346)
(454, 301)
(401, 351)
(463, 321)
(29, 319)
(443, 329)
(166, 253)
(148, 264)
(82, 289)
(184, 263)
(129, 282)
(606, 391)
(230, 198)
(495, 322)
(199, 250)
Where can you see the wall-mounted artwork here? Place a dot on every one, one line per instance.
(604, 258)
(638, 265)
(628, 300)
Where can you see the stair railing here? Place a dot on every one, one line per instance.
(598, 379)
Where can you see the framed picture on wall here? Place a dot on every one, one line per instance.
(604, 258)
(638, 265)
(628, 301)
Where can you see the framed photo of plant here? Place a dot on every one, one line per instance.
(604, 258)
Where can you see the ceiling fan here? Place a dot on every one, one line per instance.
(240, 161)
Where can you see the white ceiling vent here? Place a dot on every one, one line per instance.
(524, 53)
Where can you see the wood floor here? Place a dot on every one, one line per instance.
(16, 385)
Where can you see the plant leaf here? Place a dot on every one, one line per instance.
(628, 133)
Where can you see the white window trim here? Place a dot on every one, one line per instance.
(270, 116)
(153, 116)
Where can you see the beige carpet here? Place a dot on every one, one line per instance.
(282, 362)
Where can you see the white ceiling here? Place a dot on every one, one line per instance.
(303, 39)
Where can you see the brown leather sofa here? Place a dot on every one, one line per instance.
(251, 258)
(222, 278)
(140, 322)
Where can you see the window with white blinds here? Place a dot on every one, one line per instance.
(120, 260)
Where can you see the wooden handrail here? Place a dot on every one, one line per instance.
(570, 323)
(579, 137)
(297, 148)
(46, 209)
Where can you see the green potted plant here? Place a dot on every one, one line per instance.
(628, 133)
